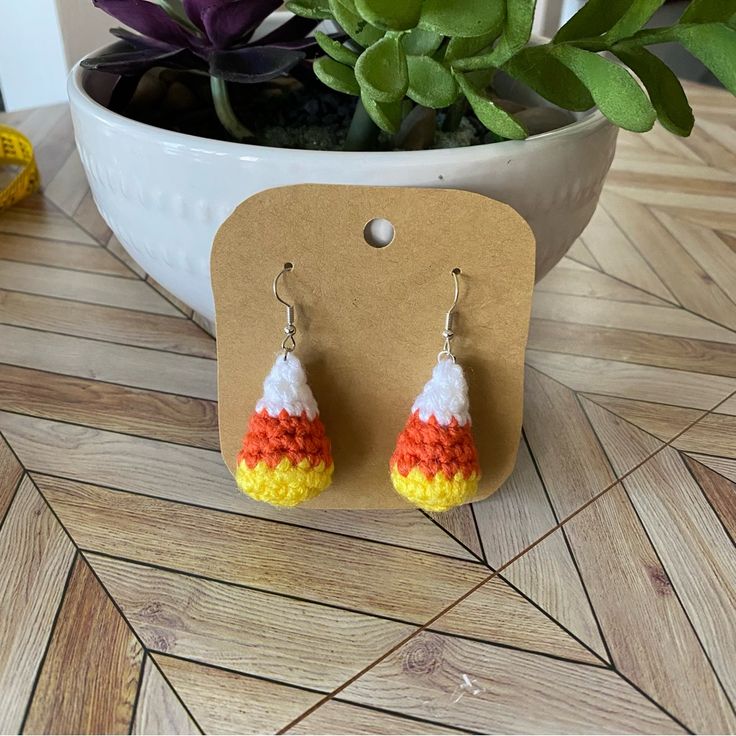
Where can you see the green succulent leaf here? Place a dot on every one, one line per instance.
(617, 94)
(386, 115)
(315, 9)
(390, 14)
(715, 45)
(632, 20)
(709, 11)
(382, 70)
(664, 88)
(337, 76)
(462, 17)
(430, 83)
(359, 29)
(537, 67)
(516, 32)
(468, 47)
(493, 117)
(335, 49)
(594, 18)
(419, 42)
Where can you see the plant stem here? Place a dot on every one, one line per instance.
(362, 133)
(454, 115)
(225, 112)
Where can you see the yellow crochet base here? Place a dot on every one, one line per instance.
(286, 484)
(434, 494)
(16, 150)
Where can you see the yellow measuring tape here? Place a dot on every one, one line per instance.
(16, 150)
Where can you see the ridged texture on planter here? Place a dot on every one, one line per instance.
(285, 458)
(435, 464)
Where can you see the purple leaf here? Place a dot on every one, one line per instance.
(141, 42)
(253, 64)
(146, 18)
(195, 8)
(227, 23)
(136, 61)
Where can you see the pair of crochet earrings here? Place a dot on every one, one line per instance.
(286, 458)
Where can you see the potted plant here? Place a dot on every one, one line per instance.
(210, 101)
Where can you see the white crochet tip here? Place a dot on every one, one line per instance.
(445, 396)
(286, 388)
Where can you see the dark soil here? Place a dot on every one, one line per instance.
(284, 113)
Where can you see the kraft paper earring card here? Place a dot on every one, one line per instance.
(370, 289)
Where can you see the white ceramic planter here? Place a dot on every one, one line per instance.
(165, 194)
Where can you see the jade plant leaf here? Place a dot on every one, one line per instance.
(466, 47)
(708, 11)
(362, 32)
(632, 20)
(493, 117)
(594, 18)
(617, 94)
(335, 49)
(516, 32)
(715, 45)
(462, 17)
(536, 67)
(337, 76)
(390, 14)
(382, 70)
(386, 115)
(430, 83)
(315, 9)
(664, 88)
(419, 42)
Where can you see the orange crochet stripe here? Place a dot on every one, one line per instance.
(271, 439)
(433, 448)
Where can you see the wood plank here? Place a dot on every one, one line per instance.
(124, 326)
(459, 522)
(106, 406)
(159, 710)
(37, 557)
(513, 518)
(229, 703)
(728, 406)
(255, 633)
(664, 351)
(578, 251)
(720, 491)
(627, 316)
(87, 216)
(589, 283)
(338, 718)
(649, 636)
(93, 288)
(87, 683)
(261, 554)
(157, 468)
(618, 257)
(695, 550)
(682, 274)
(638, 382)
(11, 472)
(483, 688)
(69, 185)
(714, 434)
(497, 614)
(724, 466)
(92, 258)
(123, 364)
(571, 461)
(169, 297)
(55, 148)
(37, 218)
(659, 420)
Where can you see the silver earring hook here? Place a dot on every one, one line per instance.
(447, 333)
(289, 343)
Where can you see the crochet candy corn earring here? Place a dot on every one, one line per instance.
(435, 463)
(285, 458)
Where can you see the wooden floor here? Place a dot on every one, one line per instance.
(594, 593)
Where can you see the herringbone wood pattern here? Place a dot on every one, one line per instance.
(593, 593)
